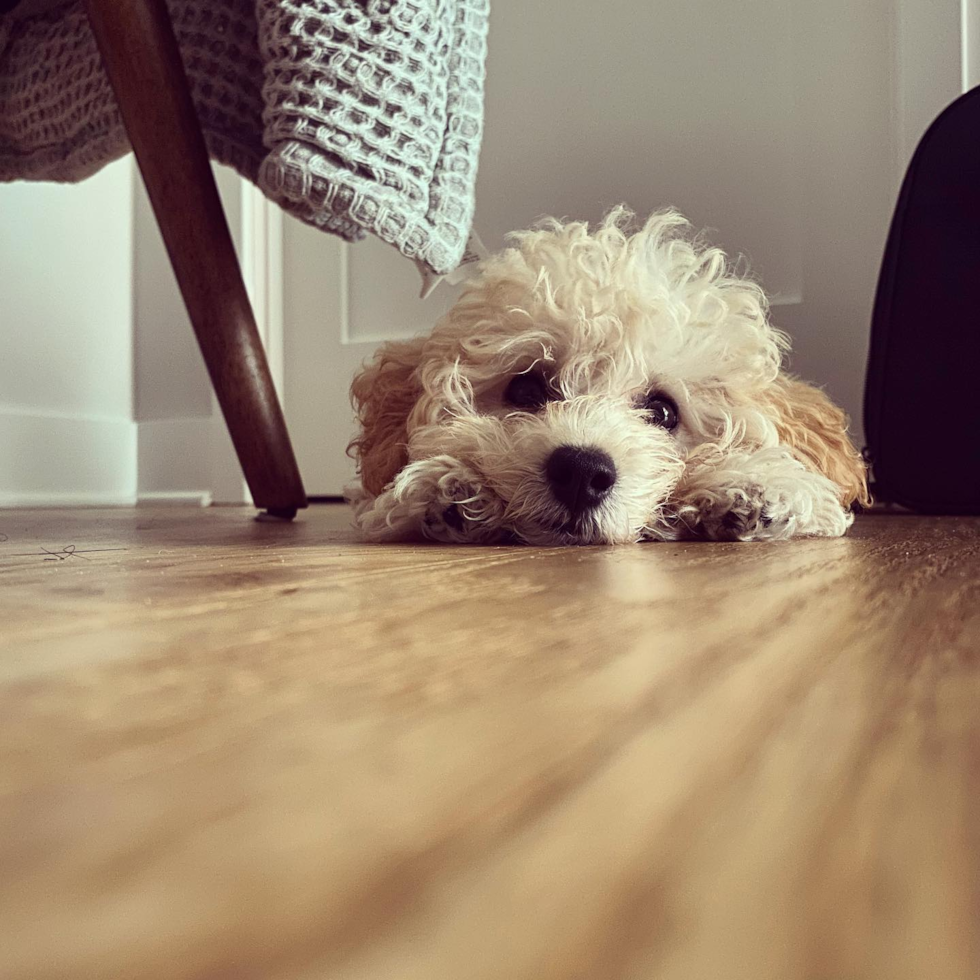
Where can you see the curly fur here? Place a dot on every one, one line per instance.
(606, 315)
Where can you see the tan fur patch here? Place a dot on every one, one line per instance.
(384, 394)
(816, 430)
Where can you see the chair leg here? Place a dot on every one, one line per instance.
(144, 66)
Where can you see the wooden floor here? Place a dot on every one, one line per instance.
(239, 750)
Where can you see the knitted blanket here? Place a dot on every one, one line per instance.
(353, 115)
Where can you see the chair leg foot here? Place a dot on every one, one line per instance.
(276, 514)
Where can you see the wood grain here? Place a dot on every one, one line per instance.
(232, 749)
(141, 58)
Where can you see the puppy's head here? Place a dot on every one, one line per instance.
(580, 371)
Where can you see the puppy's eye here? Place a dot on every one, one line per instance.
(661, 411)
(527, 392)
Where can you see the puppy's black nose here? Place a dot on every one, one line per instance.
(580, 477)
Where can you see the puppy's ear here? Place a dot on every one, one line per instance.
(816, 430)
(384, 393)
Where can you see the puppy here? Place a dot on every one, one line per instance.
(600, 387)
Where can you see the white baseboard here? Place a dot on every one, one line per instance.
(36, 500)
(54, 460)
(188, 498)
(188, 460)
(173, 458)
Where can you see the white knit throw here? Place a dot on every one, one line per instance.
(353, 116)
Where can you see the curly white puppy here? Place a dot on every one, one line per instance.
(600, 388)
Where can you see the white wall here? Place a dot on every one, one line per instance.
(66, 341)
(104, 398)
(184, 451)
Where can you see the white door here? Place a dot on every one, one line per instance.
(783, 126)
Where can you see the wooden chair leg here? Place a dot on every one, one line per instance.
(144, 66)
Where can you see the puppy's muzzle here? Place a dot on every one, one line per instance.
(580, 477)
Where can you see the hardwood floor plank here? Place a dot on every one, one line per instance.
(252, 750)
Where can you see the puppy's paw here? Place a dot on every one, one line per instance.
(765, 495)
(437, 498)
(757, 513)
(461, 511)
(742, 514)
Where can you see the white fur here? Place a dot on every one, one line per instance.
(607, 316)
